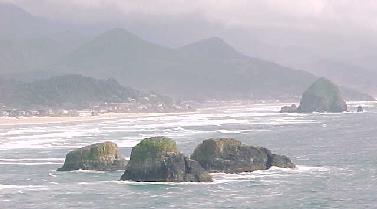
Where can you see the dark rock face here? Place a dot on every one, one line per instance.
(360, 109)
(289, 109)
(281, 161)
(231, 156)
(102, 157)
(157, 160)
(322, 96)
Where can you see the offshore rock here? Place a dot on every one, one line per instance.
(281, 161)
(101, 157)
(231, 156)
(157, 159)
(322, 96)
(289, 109)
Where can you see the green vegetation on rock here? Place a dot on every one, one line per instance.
(211, 148)
(153, 148)
(231, 156)
(100, 156)
(157, 159)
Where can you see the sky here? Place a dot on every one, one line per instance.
(303, 14)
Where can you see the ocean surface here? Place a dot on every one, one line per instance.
(336, 156)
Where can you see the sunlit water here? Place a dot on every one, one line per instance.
(336, 156)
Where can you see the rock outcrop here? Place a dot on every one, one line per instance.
(322, 96)
(231, 156)
(101, 156)
(289, 109)
(360, 109)
(157, 159)
(280, 161)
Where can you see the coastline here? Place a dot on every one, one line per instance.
(12, 121)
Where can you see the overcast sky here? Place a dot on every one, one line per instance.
(306, 14)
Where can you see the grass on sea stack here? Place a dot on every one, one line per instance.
(154, 147)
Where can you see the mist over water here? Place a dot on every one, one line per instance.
(335, 154)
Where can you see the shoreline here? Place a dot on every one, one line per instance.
(12, 121)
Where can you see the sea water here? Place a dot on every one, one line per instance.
(336, 156)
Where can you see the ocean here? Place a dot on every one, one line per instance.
(335, 154)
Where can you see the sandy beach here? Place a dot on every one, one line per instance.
(9, 121)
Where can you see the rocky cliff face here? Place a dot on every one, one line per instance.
(157, 159)
(231, 156)
(322, 96)
(102, 156)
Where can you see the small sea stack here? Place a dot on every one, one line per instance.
(229, 155)
(100, 157)
(360, 109)
(157, 159)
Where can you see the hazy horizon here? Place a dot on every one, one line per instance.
(336, 39)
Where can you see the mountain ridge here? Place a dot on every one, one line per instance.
(205, 69)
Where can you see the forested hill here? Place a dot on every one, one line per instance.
(72, 91)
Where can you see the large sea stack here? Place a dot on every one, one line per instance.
(322, 96)
(101, 157)
(157, 159)
(231, 156)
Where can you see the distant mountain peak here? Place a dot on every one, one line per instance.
(120, 36)
(213, 39)
(209, 42)
(118, 32)
(12, 10)
(213, 46)
(115, 48)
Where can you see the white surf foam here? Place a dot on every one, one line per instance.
(31, 159)
(18, 187)
(38, 163)
(272, 173)
(126, 143)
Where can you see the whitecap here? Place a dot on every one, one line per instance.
(20, 163)
(86, 171)
(230, 131)
(53, 182)
(303, 168)
(160, 183)
(27, 187)
(30, 159)
(266, 175)
(126, 143)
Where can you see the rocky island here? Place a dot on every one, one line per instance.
(157, 159)
(229, 155)
(321, 96)
(101, 157)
